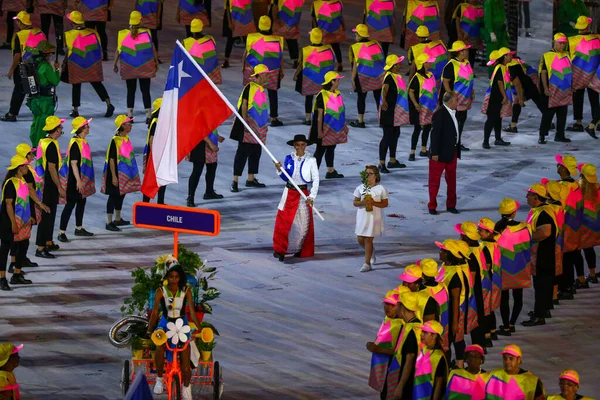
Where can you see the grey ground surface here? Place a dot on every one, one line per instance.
(294, 330)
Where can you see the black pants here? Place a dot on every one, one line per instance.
(211, 173)
(578, 262)
(273, 103)
(472, 56)
(46, 227)
(415, 135)
(548, 115)
(542, 284)
(229, 45)
(161, 196)
(461, 118)
(478, 334)
(308, 104)
(10, 25)
(594, 99)
(59, 29)
(79, 205)
(145, 89)
(337, 50)
(361, 101)
(590, 257)
(21, 248)
(292, 45)
(490, 322)
(154, 33)
(328, 151)
(246, 152)
(100, 27)
(17, 97)
(114, 202)
(98, 87)
(5, 245)
(508, 318)
(572, 260)
(524, 5)
(389, 140)
(493, 122)
(385, 46)
(459, 348)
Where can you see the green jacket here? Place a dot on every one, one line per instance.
(47, 75)
(494, 18)
(568, 12)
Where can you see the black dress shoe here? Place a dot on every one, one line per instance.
(579, 285)
(276, 122)
(190, 201)
(44, 253)
(4, 284)
(333, 175)
(395, 164)
(121, 222)
(19, 279)
(412, 158)
(63, 238)
(234, 187)
(564, 295)
(494, 336)
(110, 109)
(307, 122)
(501, 142)
(562, 139)
(255, 183)
(383, 169)
(280, 257)
(591, 132)
(546, 315)
(83, 232)
(575, 128)
(464, 148)
(53, 247)
(225, 64)
(9, 118)
(488, 343)
(212, 196)
(534, 322)
(11, 268)
(541, 140)
(424, 153)
(74, 114)
(357, 124)
(433, 212)
(112, 227)
(486, 145)
(511, 129)
(592, 279)
(504, 331)
(453, 211)
(29, 264)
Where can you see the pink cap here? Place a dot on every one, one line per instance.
(559, 159)
(391, 299)
(17, 348)
(476, 348)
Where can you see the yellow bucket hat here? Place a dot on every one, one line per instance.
(331, 75)
(196, 26)
(560, 37)
(459, 45)
(583, 22)
(429, 267)
(23, 149)
(157, 104)
(508, 206)
(451, 246)
(570, 374)
(433, 326)
(316, 35)
(135, 18)
(24, 17)
(392, 60)
(79, 122)
(122, 119)
(17, 161)
(411, 274)
(260, 69)
(493, 57)
(7, 350)
(538, 189)
(469, 229)
(52, 122)
(569, 162)
(264, 23)
(502, 51)
(555, 190)
(409, 300)
(75, 17)
(422, 31)
(362, 30)
(589, 172)
(422, 59)
(487, 224)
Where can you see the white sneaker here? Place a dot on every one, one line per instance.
(373, 259)
(158, 387)
(366, 268)
(186, 393)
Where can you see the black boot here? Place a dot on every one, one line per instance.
(4, 284)
(190, 201)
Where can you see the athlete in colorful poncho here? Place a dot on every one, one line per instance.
(95, 14)
(203, 48)
(151, 11)
(328, 15)
(468, 20)
(468, 383)
(422, 96)
(431, 369)
(511, 381)
(285, 15)
(497, 102)
(294, 227)
(380, 17)
(420, 13)
(569, 386)
(590, 226)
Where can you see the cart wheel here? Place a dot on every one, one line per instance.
(125, 377)
(216, 381)
(176, 388)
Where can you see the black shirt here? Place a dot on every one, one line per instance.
(387, 116)
(314, 128)
(496, 96)
(410, 347)
(431, 308)
(5, 224)
(75, 155)
(50, 194)
(447, 73)
(545, 255)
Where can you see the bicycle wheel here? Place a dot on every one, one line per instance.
(216, 381)
(125, 377)
(175, 388)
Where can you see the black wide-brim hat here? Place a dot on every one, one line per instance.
(299, 138)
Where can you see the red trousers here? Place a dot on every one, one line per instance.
(436, 169)
(284, 221)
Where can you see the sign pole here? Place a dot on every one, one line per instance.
(175, 244)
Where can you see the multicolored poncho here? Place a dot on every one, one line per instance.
(22, 208)
(560, 78)
(387, 337)
(316, 62)
(419, 13)
(394, 370)
(370, 60)
(266, 50)
(28, 40)
(425, 369)
(190, 9)
(204, 51)
(379, 18)
(462, 385)
(287, 23)
(94, 10)
(242, 18)
(335, 130)
(428, 96)
(585, 59)
(149, 10)
(86, 168)
(500, 386)
(127, 169)
(84, 56)
(506, 110)
(136, 55)
(514, 244)
(463, 83)
(401, 110)
(470, 23)
(328, 16)
(258, 113)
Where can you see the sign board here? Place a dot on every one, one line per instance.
(196, 221)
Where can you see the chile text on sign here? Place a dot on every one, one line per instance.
(196, 221)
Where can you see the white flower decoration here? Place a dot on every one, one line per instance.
(177, 332)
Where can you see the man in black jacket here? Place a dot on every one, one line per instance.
(444, 151)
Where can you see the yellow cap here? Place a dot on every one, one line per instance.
(6, 350)
(409, 300)
(504, 51)
(23, 149)
(264, 23)
(554, 190)
(452, 246)
(17, 161)
(487, 224)
(135, 18)
(583, 22)
(570, 374)
(122, 119)
(24, 17)
(316, 35)
(422, 59)
(331, 75)
(538, 189)
(508, 206)
(362, 30)
(411, 274)
(459, 45)
(569, 162)
(429, 267)
(589, 172)
(422, 31)
(157, 104)
(75, 17)
(469, 229)
(560, 37)
(260, 69)
(433, 326)
(392, 60)
(513, 350)
(196, 26)
(78, 123)
(52, 122)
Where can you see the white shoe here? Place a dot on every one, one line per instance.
(186, 393)
(366, 268)
(373, 259)
(158, 387)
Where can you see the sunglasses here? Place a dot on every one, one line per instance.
(370, 173)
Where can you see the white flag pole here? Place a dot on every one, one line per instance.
(236, 113)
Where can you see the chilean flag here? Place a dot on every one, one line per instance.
(191, 109)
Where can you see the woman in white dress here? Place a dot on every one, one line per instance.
(369, 223)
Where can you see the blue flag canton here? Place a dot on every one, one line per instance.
(183, 74)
